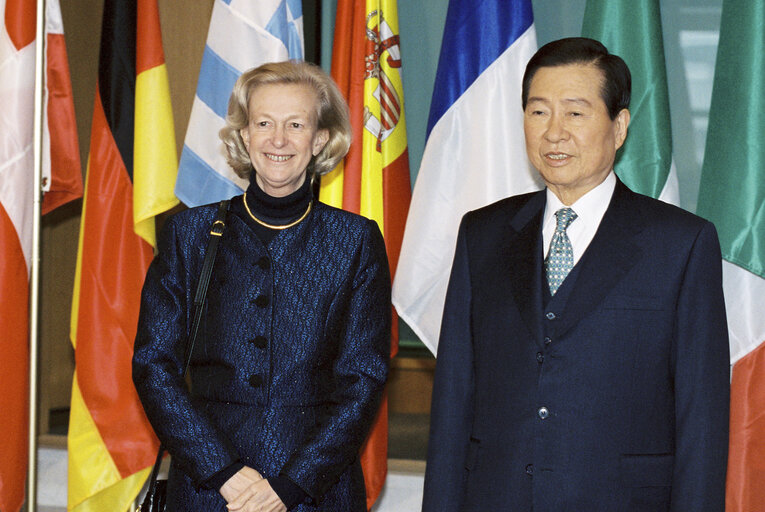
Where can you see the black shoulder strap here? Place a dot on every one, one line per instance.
(216, 232)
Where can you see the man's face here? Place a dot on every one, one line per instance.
(570, 138)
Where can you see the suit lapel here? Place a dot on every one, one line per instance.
(522, 253)
(610, 255)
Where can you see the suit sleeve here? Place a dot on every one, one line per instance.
(702, 381)
(360, 323)
(192, 439)
(452, 404)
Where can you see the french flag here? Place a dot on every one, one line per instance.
(475, 151)
(243, 34)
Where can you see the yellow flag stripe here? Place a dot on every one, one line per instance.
(331, 187)
(119, 497)
(95, 484)
(155, 161)
(371, 201)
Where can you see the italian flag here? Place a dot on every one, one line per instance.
(732, 195)
(644, 162)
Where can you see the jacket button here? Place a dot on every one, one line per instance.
(530, 469)
(543, 412)
(264, 263)
(255, 381)
(262, 301)
(259, 341)
(547, 340)
(550, 315)
(540, 357)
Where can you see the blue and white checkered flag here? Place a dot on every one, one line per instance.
(243, 34)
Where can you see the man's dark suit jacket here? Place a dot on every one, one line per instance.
(632, 372)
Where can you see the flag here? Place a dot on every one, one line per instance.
(732, 195)
(62, 182)
(633, 32)
(474, 153)
(130, 178)
(243, 34)
(373, 180)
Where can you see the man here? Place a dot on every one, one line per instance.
(583, 359)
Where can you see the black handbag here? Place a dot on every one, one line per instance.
(156, 495)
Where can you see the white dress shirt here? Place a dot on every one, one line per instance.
(589, 209)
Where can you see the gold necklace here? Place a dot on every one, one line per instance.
(275, 226)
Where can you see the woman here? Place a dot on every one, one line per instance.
(293, 350)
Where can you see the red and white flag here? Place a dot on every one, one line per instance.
(62, 181)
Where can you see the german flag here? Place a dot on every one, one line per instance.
(373, 180)
(130, 178)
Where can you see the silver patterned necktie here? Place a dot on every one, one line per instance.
(560, 257)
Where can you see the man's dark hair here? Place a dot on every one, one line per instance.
(617, 81)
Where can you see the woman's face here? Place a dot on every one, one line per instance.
(281, 136)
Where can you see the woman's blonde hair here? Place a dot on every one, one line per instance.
(331, 113)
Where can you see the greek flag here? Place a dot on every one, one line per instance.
(243, 34)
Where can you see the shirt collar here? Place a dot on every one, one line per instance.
(590, 208)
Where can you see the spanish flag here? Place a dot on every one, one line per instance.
(62, 182)
(373, 180)
(130, 178)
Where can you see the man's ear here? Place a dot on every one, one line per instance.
(621, 124)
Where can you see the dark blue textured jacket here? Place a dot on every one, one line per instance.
(291, 358)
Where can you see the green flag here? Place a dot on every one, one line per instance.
(632, 30)
(732, 191)
(732, 195)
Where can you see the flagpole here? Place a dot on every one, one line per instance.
(34, 285)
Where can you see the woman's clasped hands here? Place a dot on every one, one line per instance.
(248, 491)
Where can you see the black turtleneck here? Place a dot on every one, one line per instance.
(276, 211)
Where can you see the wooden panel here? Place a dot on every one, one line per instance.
(184, 33)
(58, 256)
(410, 385)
